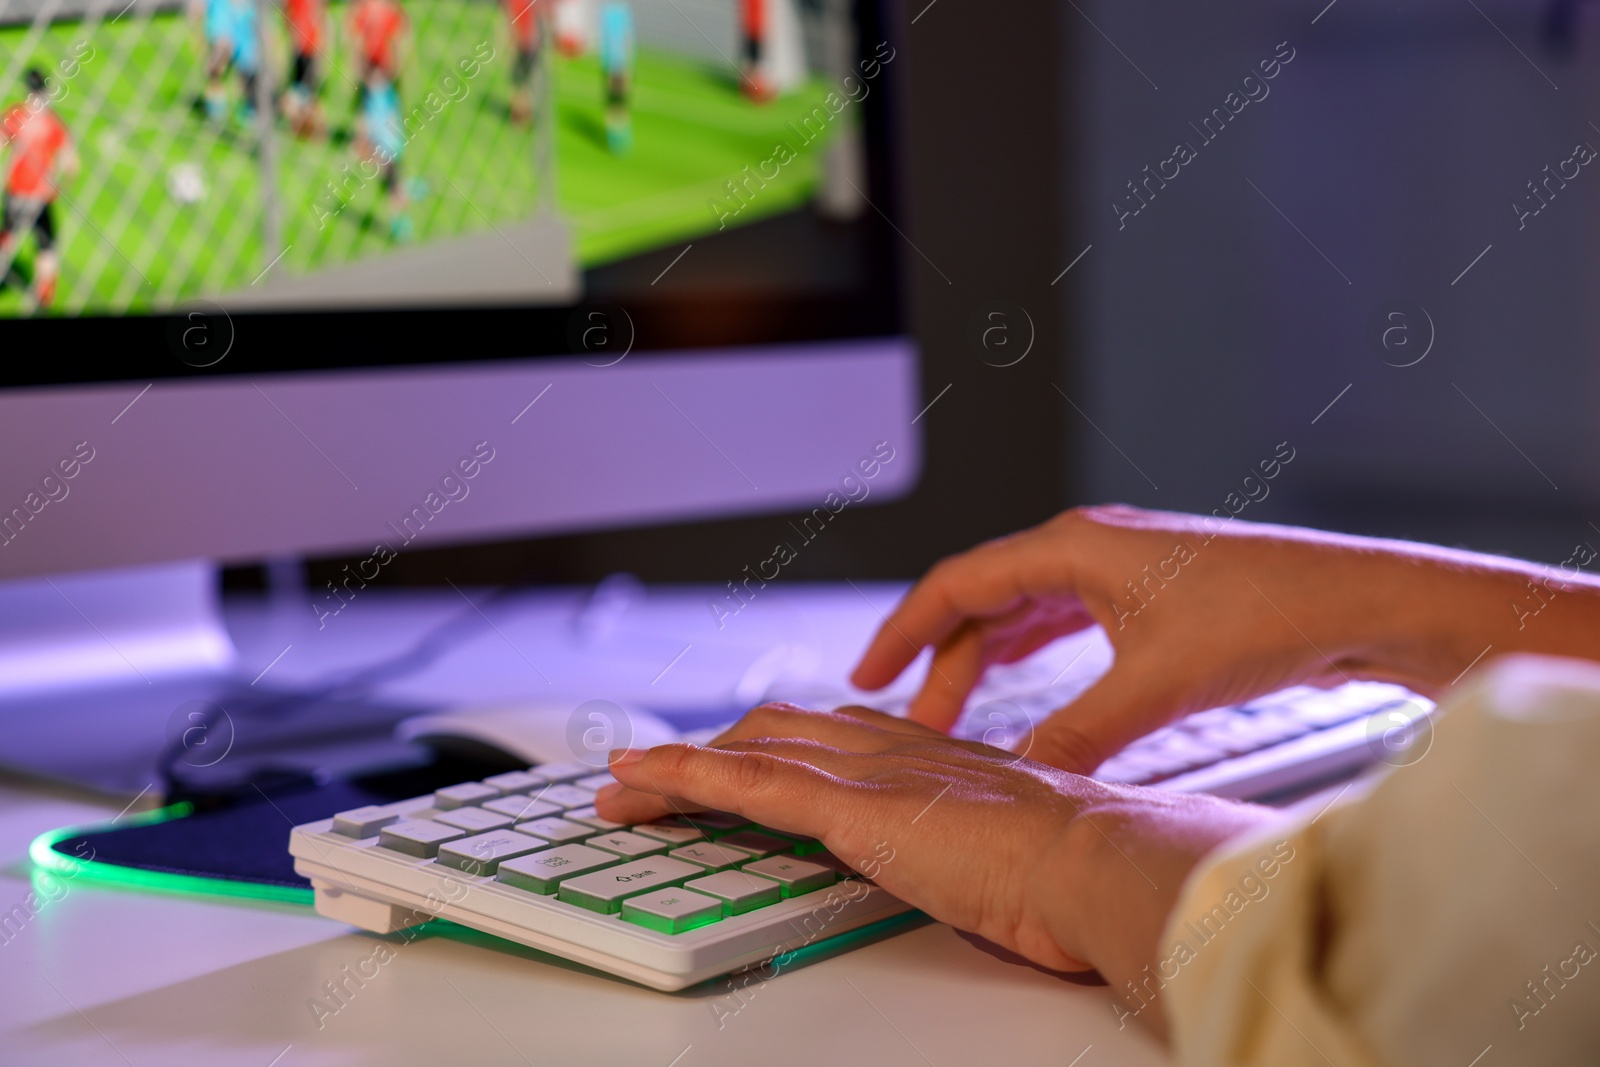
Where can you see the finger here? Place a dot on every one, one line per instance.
(621, 802)
(928, 615)
(961, 662)
(989, 580)
(1124, 705)
(635, 805)
(956, 667)
(796, 794)
(1036, 637)
(882, 720)
(856, 729)
(851, 728)
(890, 734)
(631, 807)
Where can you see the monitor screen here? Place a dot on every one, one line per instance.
(241, 185)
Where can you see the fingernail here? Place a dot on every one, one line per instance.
(606, 792)
(624, 757)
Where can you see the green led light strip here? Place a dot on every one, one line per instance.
(43, 854)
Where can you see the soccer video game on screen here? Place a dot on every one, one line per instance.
(280, 152)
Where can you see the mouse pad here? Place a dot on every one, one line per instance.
(240, 840)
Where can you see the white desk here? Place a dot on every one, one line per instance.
(102, 975)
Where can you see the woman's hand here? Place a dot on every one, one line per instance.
(989, 842)
(1200, 613)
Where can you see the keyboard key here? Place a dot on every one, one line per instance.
(566, 796)
(1153, 763)
(1232, 738)
(711, 823)
(627, 845)
(542, 872)
(672, 911)
(559, 831)
(594, 782)
(1342, 705)
(589, 817)
(482, 854)
(417, 837)
(569, 771)
(521, 808)
(1189, 750)
(362, 823)
(796, 876)
(517, 781)
(672, 835)
(464, 795)
(738, 891)
(603, 891)
(717, 857)
(757, 843)
(1118, 769)
(827, 859)
(1200, 720)
(1280, 725)
(474, 820)
(800, 846)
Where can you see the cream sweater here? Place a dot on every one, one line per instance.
(1446, 913)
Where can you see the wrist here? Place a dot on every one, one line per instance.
(1418, 618)
(1111, 879)
(1437, 612)
(1069, 885)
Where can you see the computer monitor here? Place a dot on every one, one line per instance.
(373, 275)
(664, 291)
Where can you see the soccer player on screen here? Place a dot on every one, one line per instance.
(246, 58)
(216, 27)
(232, 42)
(524, 17)
(616, 68)
(308, 34)
(380, 139)
(378, 28)
(754, 19)
(35, 150)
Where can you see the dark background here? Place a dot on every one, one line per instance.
(1394, 145)
(1225, 317)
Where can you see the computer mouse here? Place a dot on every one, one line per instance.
(527, 734)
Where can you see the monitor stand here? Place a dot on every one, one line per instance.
(124, 682)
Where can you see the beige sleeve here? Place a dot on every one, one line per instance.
(1447, 915)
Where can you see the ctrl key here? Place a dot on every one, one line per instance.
(672, 911)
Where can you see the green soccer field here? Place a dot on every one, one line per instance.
(134, 234)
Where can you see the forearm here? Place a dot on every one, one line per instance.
(1426, 614)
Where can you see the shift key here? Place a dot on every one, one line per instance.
(603, 891)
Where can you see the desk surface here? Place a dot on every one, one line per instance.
(103, 975)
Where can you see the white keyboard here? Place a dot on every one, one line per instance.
(524, 856)
(1267, 747)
